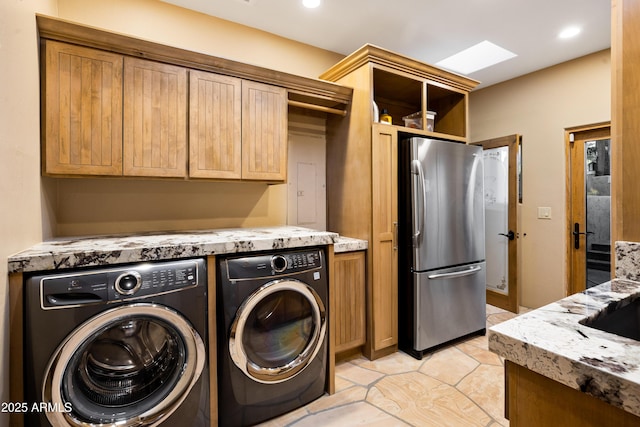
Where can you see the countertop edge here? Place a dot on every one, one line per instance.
(551, 342)
(64, 253)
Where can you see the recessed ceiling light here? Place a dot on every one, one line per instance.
(482, 55)
(569, 32)
(311, 4)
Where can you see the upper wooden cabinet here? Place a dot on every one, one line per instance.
(155, 119)
(264, 132)
(237, 128)
(215, 139)
(83, 111)
(114, 105)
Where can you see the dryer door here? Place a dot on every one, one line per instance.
(278, 331)
(129, 366)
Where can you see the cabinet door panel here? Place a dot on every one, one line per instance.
(155, 117)
(384, 226)
(214, 126)
(264, 132)
(349, 273)
(83, 111)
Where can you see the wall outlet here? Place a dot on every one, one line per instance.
(544, 213)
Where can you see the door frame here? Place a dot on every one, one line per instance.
(575, 263)
(510, 302)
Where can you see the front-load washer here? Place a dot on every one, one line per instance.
(272, 333)
(122, 345)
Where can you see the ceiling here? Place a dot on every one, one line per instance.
(431, 30)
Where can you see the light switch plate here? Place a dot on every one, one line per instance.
(544, 213)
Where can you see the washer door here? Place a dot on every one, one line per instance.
(129, 366)
(277, 331)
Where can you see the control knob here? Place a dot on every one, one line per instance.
(128, 283)
(279, 263)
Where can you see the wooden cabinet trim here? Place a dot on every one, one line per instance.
(376, 55)
(326, 93)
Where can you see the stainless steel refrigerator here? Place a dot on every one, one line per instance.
(442, 278)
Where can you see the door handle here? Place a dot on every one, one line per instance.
(510, 235)
(577, 233)
(468, 271)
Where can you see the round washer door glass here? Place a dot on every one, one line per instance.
(277, 331)
(130, 366)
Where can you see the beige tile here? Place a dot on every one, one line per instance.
(494, 319)
(423, 401)
(357, 374)
(395, 363)
(342, 384)
(350, 395)
(485, 386)
(440, 365)
(482, 355)
(355, 414)
(286, 418)
(491, 309)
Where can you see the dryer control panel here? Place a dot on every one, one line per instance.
(120, 283)
(273, 265)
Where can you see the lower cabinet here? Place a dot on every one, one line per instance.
(350, 302)
(534, 400)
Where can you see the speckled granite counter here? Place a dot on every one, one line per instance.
(103, 250)
(348, 244)
(553, 342)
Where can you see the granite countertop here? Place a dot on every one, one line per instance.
(552, 342)
(104, 250)
(349, 244)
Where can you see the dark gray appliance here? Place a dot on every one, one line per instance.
(442, 281)
(124, 345)
(272, 333)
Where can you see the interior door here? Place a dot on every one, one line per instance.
(502, 194)
(588, 206)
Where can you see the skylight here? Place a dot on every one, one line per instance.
(482, 55)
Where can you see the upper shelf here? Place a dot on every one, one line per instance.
(435, 98)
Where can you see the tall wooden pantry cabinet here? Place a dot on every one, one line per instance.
(362, 163)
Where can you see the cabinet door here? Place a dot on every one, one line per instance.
(82, 111)
(264, 132)
(384, 287)
(155, 117)
(350, 303)
(214, 126)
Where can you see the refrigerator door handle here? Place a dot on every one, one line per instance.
(467, 272)
(416, 168)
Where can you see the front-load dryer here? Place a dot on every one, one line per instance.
(117, 346)
(272, 333)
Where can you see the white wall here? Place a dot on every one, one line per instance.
(539, 106)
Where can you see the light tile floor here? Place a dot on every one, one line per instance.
(459, 385)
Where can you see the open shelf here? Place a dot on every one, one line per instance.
(401, 96)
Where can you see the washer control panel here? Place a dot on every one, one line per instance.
(272, 265)
(119, 284)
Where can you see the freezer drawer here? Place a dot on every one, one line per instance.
(449, 304)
